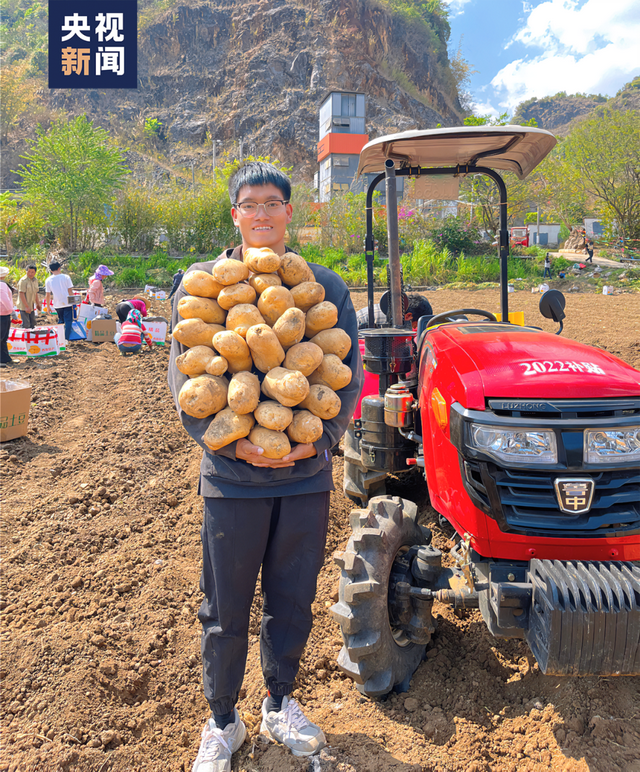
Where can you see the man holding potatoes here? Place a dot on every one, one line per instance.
(266, 372)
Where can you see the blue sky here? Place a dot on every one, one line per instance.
(535, 48)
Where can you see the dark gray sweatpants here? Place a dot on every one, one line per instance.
(287, 537)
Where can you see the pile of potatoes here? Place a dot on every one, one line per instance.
(258, 313)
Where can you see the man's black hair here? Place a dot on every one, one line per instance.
(54, 266)
(418, 306)
(259, 173)
(31, 267)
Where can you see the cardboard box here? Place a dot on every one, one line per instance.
(15, 398)
(103, 330)
(156, 326)
(16, 343)
(42, 342)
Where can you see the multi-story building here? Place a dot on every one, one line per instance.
(342, 137)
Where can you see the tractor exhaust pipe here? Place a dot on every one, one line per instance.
(395, 279)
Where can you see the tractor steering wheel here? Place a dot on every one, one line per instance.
(446, 316)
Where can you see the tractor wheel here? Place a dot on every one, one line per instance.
(376, 656)
(360, 483)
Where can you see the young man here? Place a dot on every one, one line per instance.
(547, 266)
(418, 306)
(28, 299)
(57, 287)
(588, 248)
(260, 512)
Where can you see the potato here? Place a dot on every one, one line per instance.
(243, 316)
(288, 387)
(244, 393)
(274, 444)
(273, 302)
(273, 415)
(304, 357)
(307, 294)
(331, 372)
(195, 360)
(234, 349)
(335, 341)
(206, 309)
(227, 427)
(217, 366)
(201, 284)
(290, 327)
(305, 427)
(320, 317)
(265, 347)
(235, 295)
(260, 281)
(322, 401)
(263, 260)
(194, 332)
(229, 271)
(203, 396)
(294, 270)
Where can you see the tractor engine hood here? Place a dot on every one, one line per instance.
(523, 363)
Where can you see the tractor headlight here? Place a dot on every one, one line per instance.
(612, 445)
(515, 445)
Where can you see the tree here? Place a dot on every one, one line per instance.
(604, 154)
(71, 174)
(563, 196)
(504, 119)
(16, 96)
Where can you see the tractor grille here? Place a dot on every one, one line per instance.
(524, 501)
(566, 409)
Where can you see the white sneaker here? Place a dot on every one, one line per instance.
(292, 728)
(218, 745)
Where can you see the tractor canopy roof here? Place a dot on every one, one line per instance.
(517, 149)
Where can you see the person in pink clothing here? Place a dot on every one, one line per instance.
(6, 309)
(124, 306)
(96, 290)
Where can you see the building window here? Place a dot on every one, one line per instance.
(340, 160)
(348, 105)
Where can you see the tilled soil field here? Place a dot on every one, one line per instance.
(100, 640)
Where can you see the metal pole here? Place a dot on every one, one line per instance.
(369, 246)
(504, 249)
(241, 148)
(395, 282)
(538, 226)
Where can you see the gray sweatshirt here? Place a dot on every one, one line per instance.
(222, 475)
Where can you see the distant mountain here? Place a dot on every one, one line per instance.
(559, 112)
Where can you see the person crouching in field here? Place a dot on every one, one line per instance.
(132, 334)
(262, 513)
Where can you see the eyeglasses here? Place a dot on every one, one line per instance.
(250, 209)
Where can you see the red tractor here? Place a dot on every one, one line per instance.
(530, 448)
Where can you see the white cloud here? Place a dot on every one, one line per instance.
(456, 7)
(589, 46)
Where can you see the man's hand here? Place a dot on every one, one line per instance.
(253, 455)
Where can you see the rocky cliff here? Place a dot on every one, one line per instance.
(257, 72)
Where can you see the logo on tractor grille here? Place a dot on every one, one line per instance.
(574, 494)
